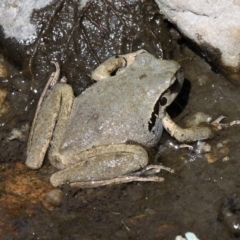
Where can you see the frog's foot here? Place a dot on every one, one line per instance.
(219, 126)
(151, 170)
(113, 64)
(134, 177)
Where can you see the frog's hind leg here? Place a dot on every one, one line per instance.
(113, 64)
(104, 165)
(57, 105)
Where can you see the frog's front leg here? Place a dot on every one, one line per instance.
(55, 108)
(198, 128)
(103, 165)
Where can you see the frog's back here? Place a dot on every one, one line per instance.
(116, 110)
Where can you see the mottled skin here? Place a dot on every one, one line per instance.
(89, 135)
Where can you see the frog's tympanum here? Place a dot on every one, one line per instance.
(98, 137)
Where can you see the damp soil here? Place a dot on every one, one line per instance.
(202, 196)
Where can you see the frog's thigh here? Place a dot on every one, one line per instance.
(59, 100)
(190, 134)
(103, 162)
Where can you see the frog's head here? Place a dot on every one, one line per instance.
(157, 82)
(173, 83)
(167, 81)
(163, 79)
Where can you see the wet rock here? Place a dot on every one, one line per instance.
(212, 26)
(15, 17)
(32, 35)
(230, 215)
(16, 25)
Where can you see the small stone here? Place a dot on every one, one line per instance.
(210, 157)
(3, 70)
(188, 235)
(225, 159)
(191, 236)
(203, 147)
(3, 104)
(202, 79)
(19, 134)
(54, 197)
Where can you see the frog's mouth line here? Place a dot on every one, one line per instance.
(165, 99)
(154, 116)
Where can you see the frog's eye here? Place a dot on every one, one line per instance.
(160, 104)
(163, 100)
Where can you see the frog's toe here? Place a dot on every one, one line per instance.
(219, 126)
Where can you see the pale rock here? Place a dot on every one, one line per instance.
(214, 26)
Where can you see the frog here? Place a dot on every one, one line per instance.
(100, 137)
